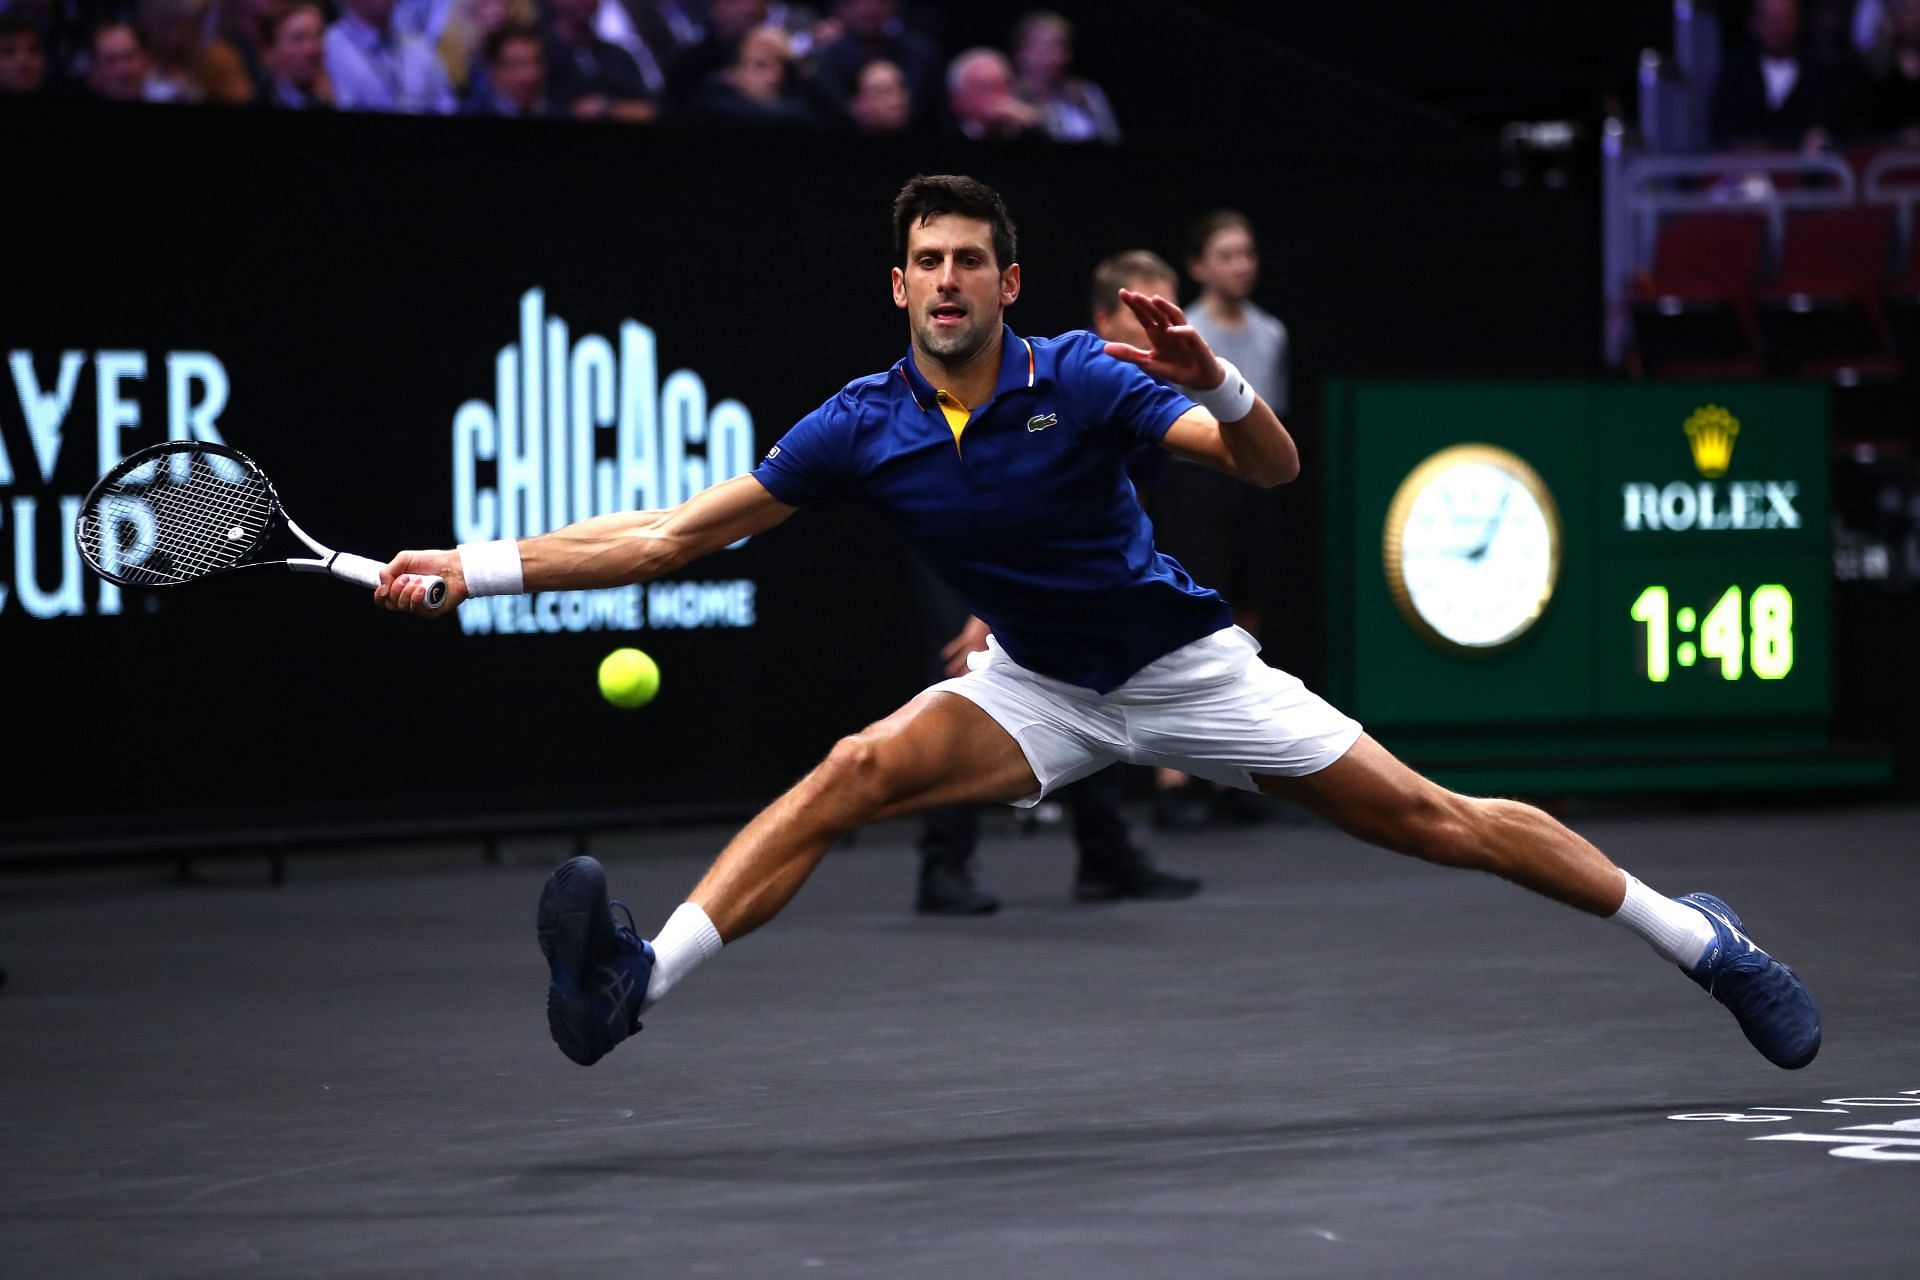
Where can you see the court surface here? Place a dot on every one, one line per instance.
(1333, 1063)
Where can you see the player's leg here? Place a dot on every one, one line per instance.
(938, 749)
(1370, 794)
(1213, 709)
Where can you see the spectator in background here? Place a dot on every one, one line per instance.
(375, 67)
(1892, 100)
(242, 25)
(117, 63)
(294, 58)
(1772, 95)
(809, 30)
(65, 28)
(881, 101)
(1871, 23)
(980, 96)
(1225, 263)
(1178, 804)
(728, 22)
(189, 66)
(469, 23)
(23, 56)
(1070, 110)
(872, 29)
(657, 33)
(588, 78)
(1225, 534)
(515, 59)
(757, 89)
(424, 20)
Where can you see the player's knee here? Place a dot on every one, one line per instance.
(856, 774)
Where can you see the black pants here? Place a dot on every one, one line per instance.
(1099, 831)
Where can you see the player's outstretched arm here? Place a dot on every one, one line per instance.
(1255, 447)
(605, 551)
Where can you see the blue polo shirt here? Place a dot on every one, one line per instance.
(1026, 509)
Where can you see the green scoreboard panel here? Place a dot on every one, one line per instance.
(1525, 573)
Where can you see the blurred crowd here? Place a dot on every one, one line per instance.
(851, 65)
(1807, 75)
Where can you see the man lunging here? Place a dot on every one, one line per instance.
(1001, 460)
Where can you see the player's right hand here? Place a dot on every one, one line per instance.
(972, 639)
(403, 586)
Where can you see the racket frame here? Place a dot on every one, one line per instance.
(339, 564)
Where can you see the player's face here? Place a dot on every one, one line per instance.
(951, 288)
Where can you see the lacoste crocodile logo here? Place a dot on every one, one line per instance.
(1041, 421)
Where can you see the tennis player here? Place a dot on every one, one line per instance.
(1001, 459)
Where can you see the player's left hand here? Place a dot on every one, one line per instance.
(1179, 354)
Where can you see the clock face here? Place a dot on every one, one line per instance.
(1472, 547)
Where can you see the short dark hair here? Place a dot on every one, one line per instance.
(1206, 228)
(927, 197)
(1124, 270)
(505, 34)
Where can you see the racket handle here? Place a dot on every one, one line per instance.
(365, 572)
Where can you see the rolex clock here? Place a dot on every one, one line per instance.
(1576, 586)
(1472, 548)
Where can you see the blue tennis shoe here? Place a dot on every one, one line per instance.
(598, 968)
(1768, 999)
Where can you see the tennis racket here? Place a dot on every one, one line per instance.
(178, 512)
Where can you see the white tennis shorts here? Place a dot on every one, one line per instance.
(1210, 708)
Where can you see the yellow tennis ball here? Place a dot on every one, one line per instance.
(628, 678)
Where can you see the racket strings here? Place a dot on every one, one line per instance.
(178, 522)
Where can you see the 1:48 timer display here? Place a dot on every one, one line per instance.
(1739, 632)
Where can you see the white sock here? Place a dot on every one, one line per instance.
(1675, 930)
(686, 941)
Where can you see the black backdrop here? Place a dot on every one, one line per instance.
(355, 277)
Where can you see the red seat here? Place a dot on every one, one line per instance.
(1706, 255)
(1693, 316)
(1834, 253)
(1822, 317)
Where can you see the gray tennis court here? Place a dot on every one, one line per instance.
(1332, 1063)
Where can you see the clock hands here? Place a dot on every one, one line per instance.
(1479, 553)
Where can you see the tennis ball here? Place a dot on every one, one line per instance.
(628, 678)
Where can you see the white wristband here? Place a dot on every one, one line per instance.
(1231, 401)
(492, 568)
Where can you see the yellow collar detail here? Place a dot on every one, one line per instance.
(956, 413)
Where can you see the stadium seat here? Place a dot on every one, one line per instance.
(1693, 312)
(1822, 314)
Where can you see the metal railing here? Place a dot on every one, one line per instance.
(1879, 188)
(1639, 190)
